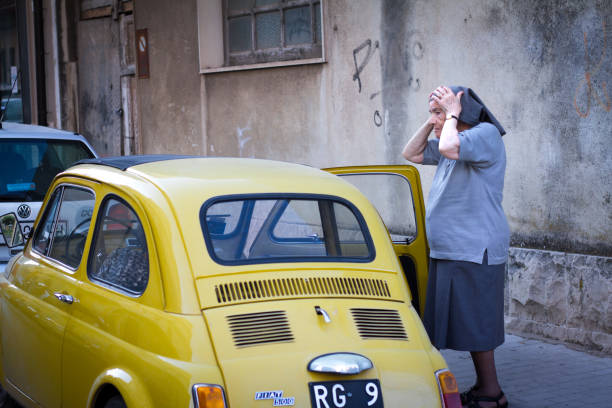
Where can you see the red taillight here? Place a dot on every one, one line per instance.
(452, 400)
(449, 392)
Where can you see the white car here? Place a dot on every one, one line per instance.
(30, 157)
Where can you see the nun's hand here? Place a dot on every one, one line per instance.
(447, 100)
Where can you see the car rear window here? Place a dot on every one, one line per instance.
(289, 228)
(28, 166)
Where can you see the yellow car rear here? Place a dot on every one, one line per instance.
(211, 282)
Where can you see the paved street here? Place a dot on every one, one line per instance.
(535, 374)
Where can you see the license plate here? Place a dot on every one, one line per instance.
(345, 394)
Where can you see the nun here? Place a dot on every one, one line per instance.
(467, 232)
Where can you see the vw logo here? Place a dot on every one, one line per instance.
(24, 211)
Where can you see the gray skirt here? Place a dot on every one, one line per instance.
(464, 309)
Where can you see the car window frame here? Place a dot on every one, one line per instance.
(90, 256)
(286, 196)
(46, 255)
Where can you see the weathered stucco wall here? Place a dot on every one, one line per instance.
(269, 113)
(529, 63)
(170, 117)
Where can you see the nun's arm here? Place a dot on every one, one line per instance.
(449, 140)
(413, 151)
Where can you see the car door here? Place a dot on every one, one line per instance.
(396, 193)
(119, 313)
(37, 302)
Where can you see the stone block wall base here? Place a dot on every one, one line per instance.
(560, 296)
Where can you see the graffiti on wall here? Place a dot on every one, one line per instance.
(586, 84)
(361, 57)
(410, 50)
(369, 52)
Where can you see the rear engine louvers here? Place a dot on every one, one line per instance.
(379, 324)
(288, 287)
(259, 328)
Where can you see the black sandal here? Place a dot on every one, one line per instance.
(467, 396)
(474, 403)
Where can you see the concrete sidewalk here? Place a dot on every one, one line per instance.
(535, 374)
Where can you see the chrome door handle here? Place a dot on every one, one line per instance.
(64, 298)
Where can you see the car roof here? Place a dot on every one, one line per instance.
(21, 130)
(180, 177)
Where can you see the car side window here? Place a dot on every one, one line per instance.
(72, 225)
(65, 226)
(42, 236)
(119, 256)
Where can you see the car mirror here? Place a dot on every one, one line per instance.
(11, 230)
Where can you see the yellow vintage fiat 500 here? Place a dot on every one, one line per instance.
(170, 281)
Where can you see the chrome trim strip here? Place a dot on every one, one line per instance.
(20, 393)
